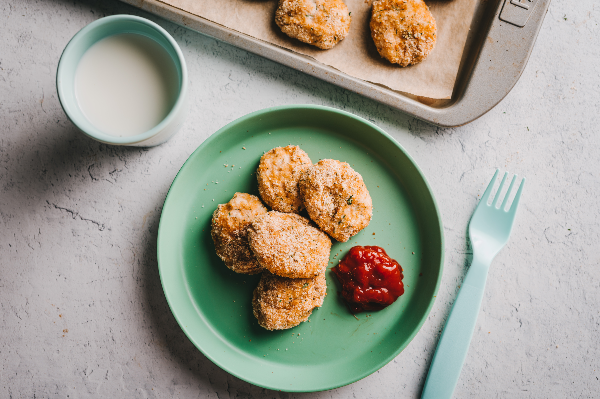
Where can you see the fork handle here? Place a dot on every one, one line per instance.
(455, 339)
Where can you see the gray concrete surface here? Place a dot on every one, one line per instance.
(82, 310)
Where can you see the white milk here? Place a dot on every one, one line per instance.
(126, 84)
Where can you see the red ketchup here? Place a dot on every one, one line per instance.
(371, 280)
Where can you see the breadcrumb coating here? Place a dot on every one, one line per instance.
(322, 23)
(404, 31)
(279, 303)
(336, 198)
(287, 245)
(278, 174)
(229, 231)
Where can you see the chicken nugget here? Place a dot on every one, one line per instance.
(287, 245)
(278, 174)
(404, 31)
(336, 198)
(229, 231)
(322, 23)
(279, 303)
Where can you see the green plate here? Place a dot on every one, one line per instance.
(213, 304)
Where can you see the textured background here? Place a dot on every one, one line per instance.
(81, 306)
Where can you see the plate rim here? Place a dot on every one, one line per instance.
(386, 135)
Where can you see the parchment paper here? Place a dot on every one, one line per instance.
(356, 55)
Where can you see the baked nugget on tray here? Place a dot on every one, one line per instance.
(321, 23)
(404, 31)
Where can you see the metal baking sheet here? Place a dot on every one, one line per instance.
(500, 41)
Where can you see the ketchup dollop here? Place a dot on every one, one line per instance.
(371, 280)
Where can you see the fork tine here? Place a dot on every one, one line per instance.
(488, 191)
(497, 197)
(515, 204)
(512, 183)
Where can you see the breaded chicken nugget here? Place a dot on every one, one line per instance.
(229, 231)
(278, 174)
(404, 31)
(279, 303)
(322, 23)
(336, 198)
(287, 245)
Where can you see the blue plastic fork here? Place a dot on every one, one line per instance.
(489, 231)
